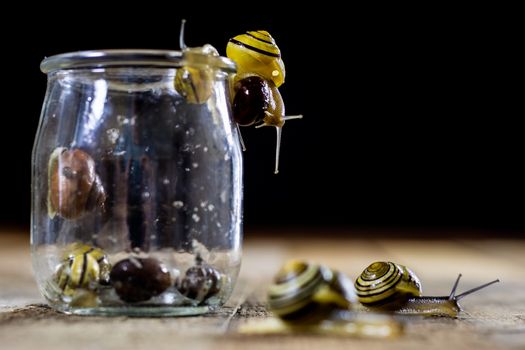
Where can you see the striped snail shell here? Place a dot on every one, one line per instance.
(309, 293)
(256, 52)
(79, 271)
(76, 249)
(385, 282)
(74, 187)
(194, 81)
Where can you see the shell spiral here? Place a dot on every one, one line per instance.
(308, 292)
(256, 52)
(386, 282)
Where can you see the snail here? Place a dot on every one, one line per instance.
(200, 282)
(74, 187)
(139, 279)
(194, 83)
(79, 271)
(309, 293)
(313, 299)
(386, 286)
(256, 99)
(98, 254)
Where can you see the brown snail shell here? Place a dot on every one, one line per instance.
(200, 282)
(74, 187)
(139, 279)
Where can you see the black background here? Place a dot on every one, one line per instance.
(410, 116)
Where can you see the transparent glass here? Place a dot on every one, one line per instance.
(136, 188)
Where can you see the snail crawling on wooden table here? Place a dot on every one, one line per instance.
(390, 287)
(311, 298)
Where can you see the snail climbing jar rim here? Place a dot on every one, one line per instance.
(93, 59)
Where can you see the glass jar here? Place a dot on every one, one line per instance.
(136, 184)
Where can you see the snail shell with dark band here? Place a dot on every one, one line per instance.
(194, 81)
(309, 293)
(256, 52)
(381, 282)
(74, 187)
(390, 287)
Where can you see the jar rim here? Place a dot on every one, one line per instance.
(132, 58)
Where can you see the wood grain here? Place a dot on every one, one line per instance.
(493, 319)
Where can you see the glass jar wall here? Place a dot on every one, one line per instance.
(136, 184)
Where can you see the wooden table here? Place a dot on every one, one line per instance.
(493, 319)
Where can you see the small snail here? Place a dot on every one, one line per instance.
(79, 271)
(386, 286)
(256, 98)
(76, 249)
(74, 187)
(200, 282)
(194, 83)
(309, 293)
(139, 279)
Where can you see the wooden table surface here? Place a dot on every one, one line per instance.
(492, 319)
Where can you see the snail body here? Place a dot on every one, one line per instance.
(194, 82)
(74, 188)
(309, 293)
(390, 287)
(254, 90)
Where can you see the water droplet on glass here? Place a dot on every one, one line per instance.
(178, 204)
(122, 120)
(113, 135)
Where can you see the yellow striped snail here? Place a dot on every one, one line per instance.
(83, 267)
(256, 98)
(309, 293)
(386, 286)
(315, 299)
(194, 82)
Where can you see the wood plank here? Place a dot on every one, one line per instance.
(493, 319)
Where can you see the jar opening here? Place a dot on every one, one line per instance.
(132, 58)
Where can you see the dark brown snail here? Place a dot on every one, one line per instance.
(386, 286)
(200, 282)
(74, 187)
(139, 279)
(309, 293)
(256, 98)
